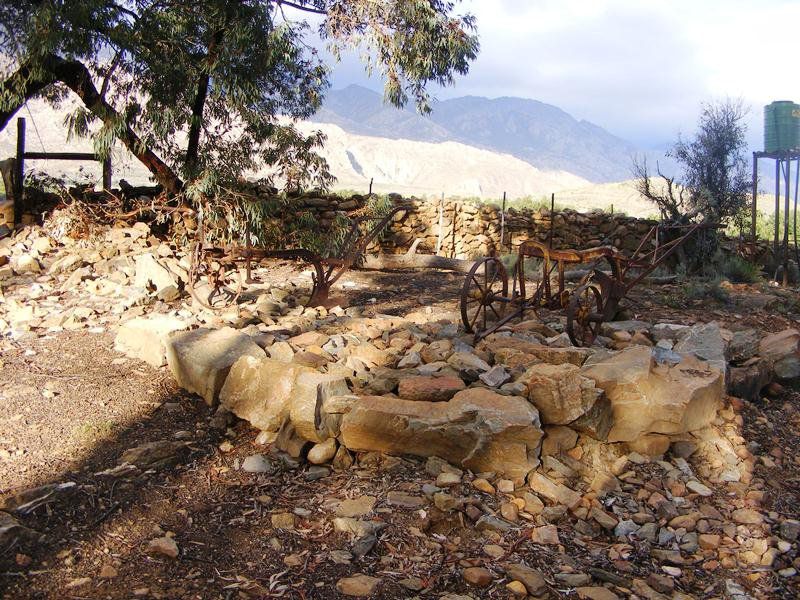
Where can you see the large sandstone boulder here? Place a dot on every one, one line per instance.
(201, 359)
(152, 275)
(269, 393)
(145, 337)
(560, 392)
(478, 429)
(648, 397)
(747, 381)
(782, 349)
(704, 342)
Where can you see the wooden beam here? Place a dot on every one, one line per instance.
(107, 173)
(19, 170)
(755, 196)
(62, 156)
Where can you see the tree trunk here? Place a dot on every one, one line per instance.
(76, 77)
(415, 261)
(193, 145)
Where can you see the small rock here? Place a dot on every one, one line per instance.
(492, 523)
(415, 584)
(573, 579)
(494, 550)
(483, 486)
(293, 560)
(356, 507)
(257, 463)
(698, 488)
(790, 529)
(747, 516)
(429, 388)
(505, 486)
(708, 541)
(478, 576)
(509, 511)
(445, 502)
(625, 528)
(546, 535)
(316, 472)
(283, 520)
(359, 585)
(164, 546)
(661, 583)
(404, 500)
(596, 593)
(532, 579)
(448, 479)
(76, 583)
(322, 452)
(107, 572)
(517, 588)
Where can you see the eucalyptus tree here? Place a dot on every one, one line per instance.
(201, 91)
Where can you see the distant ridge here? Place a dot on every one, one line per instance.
(541, 134)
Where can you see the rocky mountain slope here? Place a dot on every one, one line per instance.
(539, 133)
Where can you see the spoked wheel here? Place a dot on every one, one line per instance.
(214, 284)
(584, 314)
(480, 305)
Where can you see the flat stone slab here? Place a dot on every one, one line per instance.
(201, 359)
(144, 338)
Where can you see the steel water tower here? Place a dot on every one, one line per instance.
(781, 144)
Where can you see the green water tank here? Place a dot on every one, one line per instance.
(781, 126)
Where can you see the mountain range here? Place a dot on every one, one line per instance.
(538, 133)
(467, 147)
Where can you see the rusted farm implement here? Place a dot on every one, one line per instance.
(486, 304)
(215, 278)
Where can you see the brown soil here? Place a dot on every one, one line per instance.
(98, 405)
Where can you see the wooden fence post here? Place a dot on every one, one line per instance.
(19, 171)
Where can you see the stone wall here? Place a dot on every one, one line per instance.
(470, 230)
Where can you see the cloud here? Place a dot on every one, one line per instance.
(639, 69)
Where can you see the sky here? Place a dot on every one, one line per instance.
(640, 69)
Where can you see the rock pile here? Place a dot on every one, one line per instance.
(633, 442)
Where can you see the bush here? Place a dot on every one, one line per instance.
(739, 270)
(704, 289)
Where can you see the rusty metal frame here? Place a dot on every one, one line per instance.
(604, 291)
(327, 270)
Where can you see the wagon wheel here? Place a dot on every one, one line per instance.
(214, 284)
(479, 296)
(583, 323)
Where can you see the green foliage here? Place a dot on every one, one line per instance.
(228, 77)
(739, 270)
(765, 226)
(715, 179)
(531, 203)
(706, 289)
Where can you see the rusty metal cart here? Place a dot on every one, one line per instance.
(215, 278)
(486, 304)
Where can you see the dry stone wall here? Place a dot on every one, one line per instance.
(470, 230)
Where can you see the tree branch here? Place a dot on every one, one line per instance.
(308, 9)
(23, 85)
